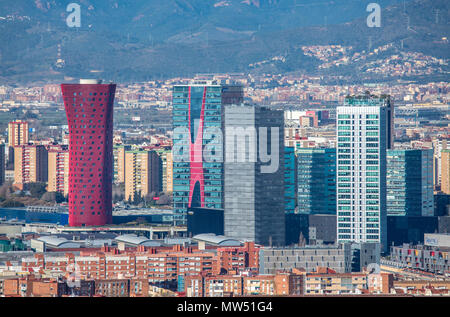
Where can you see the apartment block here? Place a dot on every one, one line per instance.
(119, 162)
(445, 171)
(38, 286)
(336, 284)
(32, 286)
(422, 257)
(167, 171)
(279, 284)
(30, 165)
(58, 170)
(238, 259)
(439, 145)
(142, 173)
(2, 163)
(17, 133)
(163, 268)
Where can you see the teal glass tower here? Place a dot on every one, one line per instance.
(410, 182)
(197, 123)
(316, 180)
(290, 180)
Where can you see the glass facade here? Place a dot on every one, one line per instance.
(290, 189)
(254, 197)
(197, 110)
(196, 183)
(362, 141)
(410, 182)
(316, 180)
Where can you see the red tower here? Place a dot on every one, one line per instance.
(89, 110)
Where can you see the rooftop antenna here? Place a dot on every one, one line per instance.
(150, 35)
(150, 38)
(207, 51)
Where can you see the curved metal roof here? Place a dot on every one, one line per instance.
(58, 242)
(133, 239)
(211, 238)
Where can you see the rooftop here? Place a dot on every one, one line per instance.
(135, 240)
(211, 238)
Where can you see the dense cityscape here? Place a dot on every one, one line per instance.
(158, 226)
(252, 184)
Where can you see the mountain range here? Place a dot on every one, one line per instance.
(138, 40)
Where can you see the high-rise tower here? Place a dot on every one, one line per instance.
(254, 183)
(17, 133)
(197, 121)
(89, 110)
(363, 135)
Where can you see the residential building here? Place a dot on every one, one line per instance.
(18, 133)
(163, 267)
(238, 259)
(439, 145)
(445, 176)
(2, 163)
(30, 165)
(142, 173)
(58, 170)
(119, 162)
(279, 284)
(434, 259)
(167, 170)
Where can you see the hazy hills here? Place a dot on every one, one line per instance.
(135, 40)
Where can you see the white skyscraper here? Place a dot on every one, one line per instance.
(364, 132)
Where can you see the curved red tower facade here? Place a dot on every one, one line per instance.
(89, 110)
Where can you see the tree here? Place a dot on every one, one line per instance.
(137, 199)
(12, 203)
(36, 189)
(56, 197)
(118, 192)
(6, 190)
(148, 199)
(165, 199)
(301, 240)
